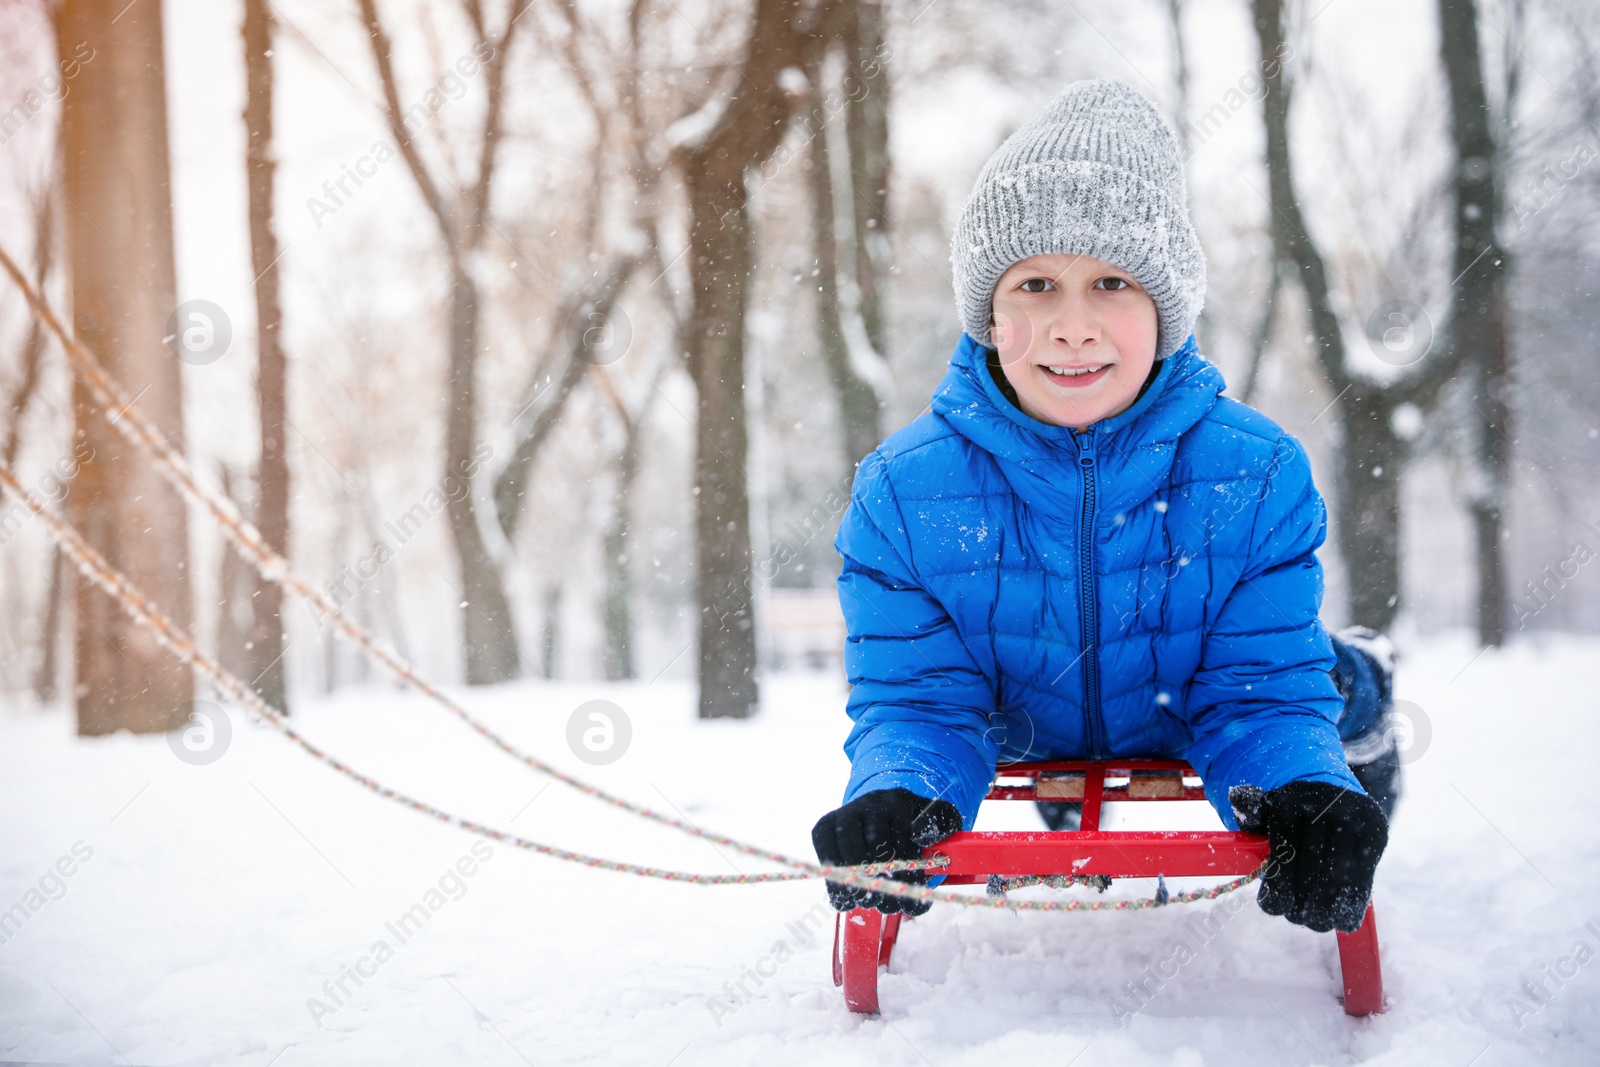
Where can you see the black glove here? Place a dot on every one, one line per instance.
(1326, 842)
(888, 824)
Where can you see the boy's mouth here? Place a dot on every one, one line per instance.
(1065, 376)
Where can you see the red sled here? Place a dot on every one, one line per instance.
(863, 939)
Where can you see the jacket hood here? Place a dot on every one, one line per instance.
(1134, 448)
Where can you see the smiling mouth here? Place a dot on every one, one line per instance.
(1075, 377)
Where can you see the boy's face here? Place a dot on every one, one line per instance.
(1060, 313)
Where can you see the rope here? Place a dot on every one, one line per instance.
(93, 566)
(999, 885)
(275, 568)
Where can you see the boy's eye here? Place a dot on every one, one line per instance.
(1035, 285)
(1115, 284)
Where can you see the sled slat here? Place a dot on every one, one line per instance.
(1176, 854)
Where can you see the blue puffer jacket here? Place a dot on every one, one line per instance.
(1149, 587)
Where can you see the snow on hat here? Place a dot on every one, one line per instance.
(1097, 174)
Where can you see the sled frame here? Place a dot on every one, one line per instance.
(864, 938)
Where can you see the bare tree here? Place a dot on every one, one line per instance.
(117, 182)
(552, 385)
(866, 89)
(21, 397)
(1373, 453)
(583, 333)
(1180, 58)
(617, 541)
(848, 295)
(489, 630)
(714, 150)
(266, 668)
(31, 358)
(1478, 304)
(237, 584)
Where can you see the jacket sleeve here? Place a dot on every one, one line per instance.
(920, 703)
(1262, 707)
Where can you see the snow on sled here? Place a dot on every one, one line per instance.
(864, 938)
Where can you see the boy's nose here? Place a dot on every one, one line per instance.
(1073, 323)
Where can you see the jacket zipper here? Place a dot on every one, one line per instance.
(1094, 723)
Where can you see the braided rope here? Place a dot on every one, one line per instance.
(275, 568)
(93, 566)
(999, 885)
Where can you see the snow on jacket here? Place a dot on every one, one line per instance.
(1149, 587)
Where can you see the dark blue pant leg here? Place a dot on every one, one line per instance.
(1364, 725)
(1364, 686)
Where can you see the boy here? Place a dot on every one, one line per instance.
(1084, 551)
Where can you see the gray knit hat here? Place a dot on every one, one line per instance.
(1096, 174)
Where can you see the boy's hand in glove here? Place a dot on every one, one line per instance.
(888, 824)
(1326, 842)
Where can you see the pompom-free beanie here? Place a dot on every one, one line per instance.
(1097, 174)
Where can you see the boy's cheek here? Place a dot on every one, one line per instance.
(1011, 332)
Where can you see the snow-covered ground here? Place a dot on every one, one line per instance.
(207, 905)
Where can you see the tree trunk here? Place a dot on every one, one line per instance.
(867, 128)
(857, 400)
(48, 674)
(1180, 57)
(487, 628)
(550, 647)
(237, 585)
(714, 168)
(1489, 509)
(1370, 462)
(267, 672)
(720, 253)
(619, 663)
(116, 176)
(1478, 304)
(46, 671)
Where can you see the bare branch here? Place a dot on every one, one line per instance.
(511, 484)
(494, 80)
(381, 49)
(34, 345)
(1291, 241)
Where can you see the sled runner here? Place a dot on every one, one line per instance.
(864, 938)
